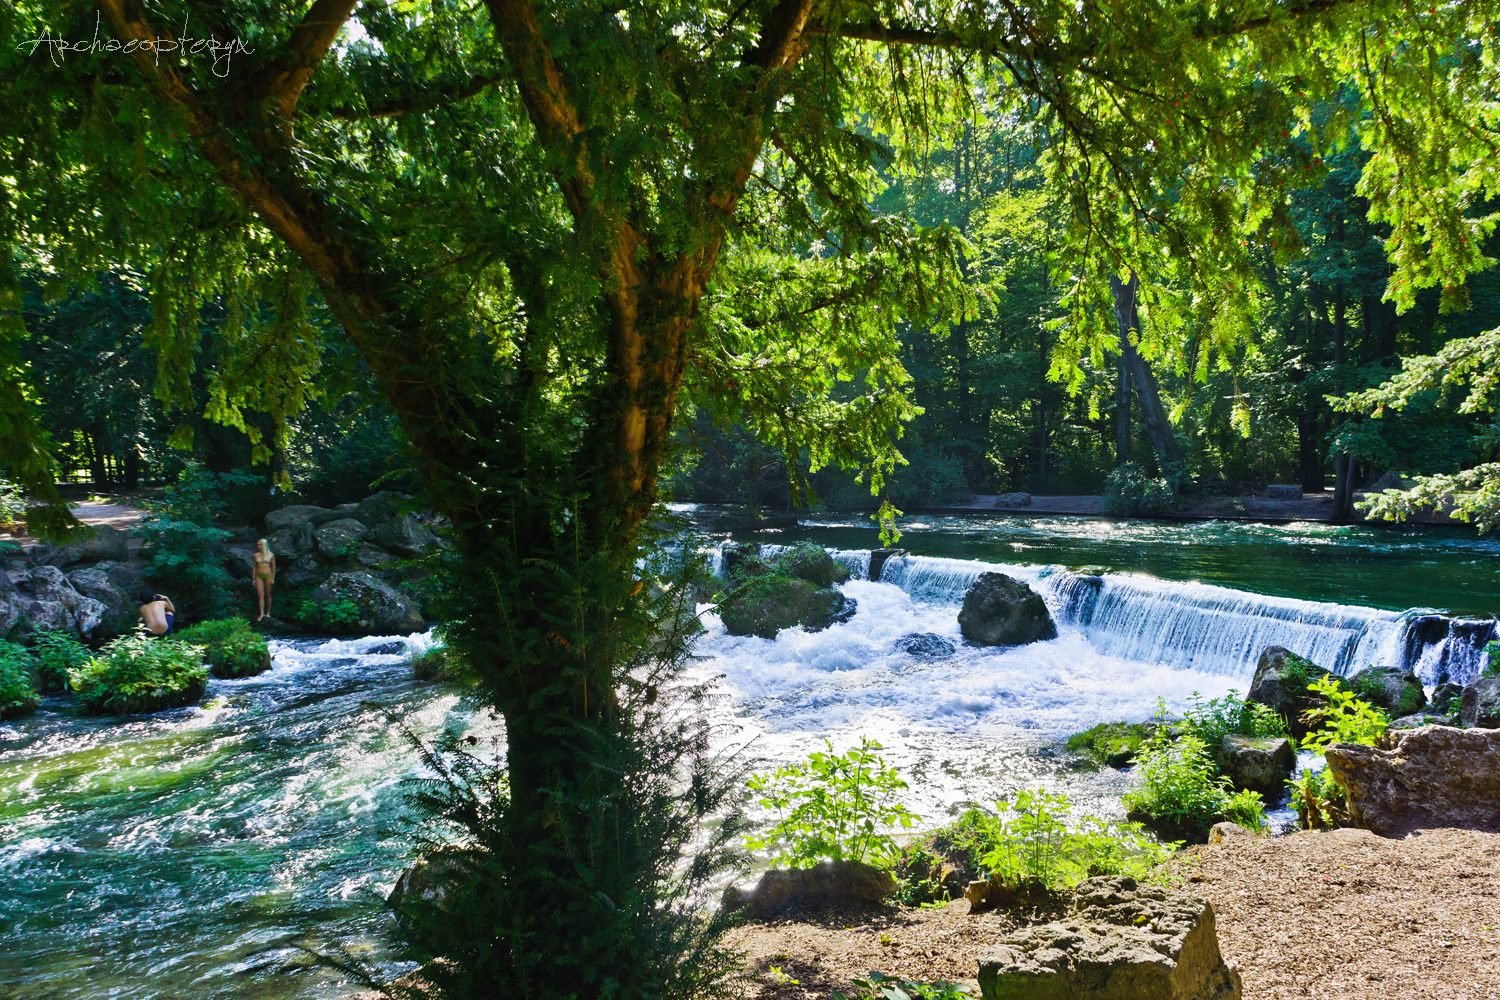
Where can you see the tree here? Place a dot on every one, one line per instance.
(544, 226)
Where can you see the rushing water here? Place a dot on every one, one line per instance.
(190, 854)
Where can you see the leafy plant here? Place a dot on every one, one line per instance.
(1321, 802)
(231, 647)
(12, 503)
(138, 673)
(56, 654)
(881, 987)
(1491, 654)
(1246, 808)
(1343, 718)
(1213, 719)
(1130, 492)
(1113, 743)
(832, 806)
(17, 696)
(338, 615)
(1182, 791)
(183, 548)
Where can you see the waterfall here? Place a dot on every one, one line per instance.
(856, 561)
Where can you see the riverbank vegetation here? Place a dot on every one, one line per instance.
(140, 673)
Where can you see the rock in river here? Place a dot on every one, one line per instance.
(382, 609)
(1001, 611)
(1396, 691)
(1281, 681)
(768, 604)
(1259, 763)
(1481, 704)
(778, 889)
(1436, 776)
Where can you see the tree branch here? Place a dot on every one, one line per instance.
(285, 77)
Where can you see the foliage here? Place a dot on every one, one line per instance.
(1320, 801)
(337, 616)
(438, 663)
(56, 654)
(183, 548)
(1112, 743)
(231, 647)
(1247, 808)
(1130, 492)
(881, 987)
(1343, 718)
(832, 806)
(17, 696)
(1213, 719)
(210, 633)
(1491, 654)
(12, 503)
(140, 673)
(1181, 788)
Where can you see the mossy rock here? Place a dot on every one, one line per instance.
(1114, 744)
(1281, 683)
(1398, 692)
(811, 562)
(768, 604)
(1174, 828)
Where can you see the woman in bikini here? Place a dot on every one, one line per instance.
(265, 575)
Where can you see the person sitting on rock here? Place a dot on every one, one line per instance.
(158, 613)
(265, 575)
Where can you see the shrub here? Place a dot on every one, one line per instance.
(338, 615)
(17, 696)
(1342, 718)
(1182, 794)
(1491, 654)
(12, 503)
(137, 673)
(1216, 718)
(231, 647)
(56, 654)
(879, 987)
(831, 807)
(1115, 744)
(437, 663)
(1129, 492)
(1321, 802)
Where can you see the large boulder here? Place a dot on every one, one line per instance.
(50, 589)
(285, 517)
(339, 539)
(878, 559)
(1001, 611)
(382, 608)
(95, 545)
(1281, 681)
(768, 604)
(1435, 776)
(1123, 941)
(405, 536)
(293, 541)
(120, 609)
(1480, 707)
(1284, 492)
(1398, 692)
(379, 508)
(1258, 763)
(810, 562)
(778, 890)
(1013, 500)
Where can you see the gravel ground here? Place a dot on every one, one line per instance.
(1336, 916)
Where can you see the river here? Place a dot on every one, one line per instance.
(197, 853)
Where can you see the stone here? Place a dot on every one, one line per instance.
(1394, 690)
(94, 582)
(1225, 832)
(1001, 611)
(290, 543)
(382, 609)
(1281, 681)
(405, 536)
(878, 559)
(338, 539)
(927, 645)
(1284, 492)
(387, 649)
(428, 880)
(1436, 776)
(373, 558)
(1123, 941)
(378, 508)
(768, 604)
(735, 558)
(1481, 704)
(130, 578)
(299, 514)
(1390, 481)
(303, 573)
(1447, 697)
(1421, 719)
(779, 890)
(96, 545)
(1258, 763)
(1013, 500)
(810, 562)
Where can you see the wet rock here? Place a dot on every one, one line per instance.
(1435, 776)
(1013, 500)
(1283, 492)
(120, 609)
(1001, 611)
(1398, 692)
(338, 539)
(812, 563)
(1226, 832)
(1281, 681)
(1259, 763)
(430, 880)
(405, 536)
(1123, 941)
(768, 604)
(878, 559)
(1447, 697)
(388, 649)
(928, 645)
(778, 890)
(381, 607)
(102, 543)
(1481, 704)
(736, 557)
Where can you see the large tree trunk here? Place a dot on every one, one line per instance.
(1122, 413)
(1153, 414)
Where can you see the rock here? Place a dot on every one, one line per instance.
(428, 880)
(763, 521)
(292, 542)
(121, 610)
(1447, 697)
(1421, 719)
(299, 514)
(405, 536)
(1259, 763)
(1013, 500)
(778, 889)
(1122, 942)
(102, 542)
(768, 604)
(1281, 681)
(373, 558)
(1396, 691)
(387, 649)
(735, 557)
(928, 645)
(382, 609)
(1283, 492)
(1481, 704)
(878, 559)
(1389, 481)
(379, 508)
(1000, 611)
(338, 539)
(1434, 776)
(1224, 832)
(50, 589)
(810, 562)
(303, 573)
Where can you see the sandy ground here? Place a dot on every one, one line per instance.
(1336, 916)
(115, 515)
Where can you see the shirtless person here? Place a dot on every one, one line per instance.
(157, 614)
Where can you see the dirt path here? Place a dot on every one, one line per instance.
(1336, 916)
(114, 515)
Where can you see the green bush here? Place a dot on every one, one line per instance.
(1321, 802)
(1343, 718)
(339, 615)
(17, 696)
(1216, 718)
(437, 663)
(56, 654)
(879, 987)
(1115, 744)
(184, 551)
(12, 503)
(1129, 492)
(1491, 653)
(831, 807)
(1182, 794)
(231, 647)
(137, 673)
